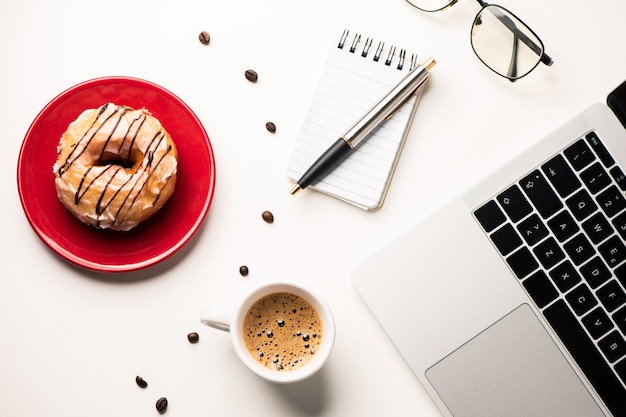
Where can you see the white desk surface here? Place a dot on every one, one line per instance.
(73, 341)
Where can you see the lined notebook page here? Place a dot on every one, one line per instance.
(349, 86)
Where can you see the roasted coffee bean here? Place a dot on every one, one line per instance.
(251, 75)
(243, 270)
(268, 216)
(204, 37)
(141, 382)
(161, 405)
(271, 127)
(193, 337)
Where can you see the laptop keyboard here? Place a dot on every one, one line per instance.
(562, 231)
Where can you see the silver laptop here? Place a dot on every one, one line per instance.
(511, 299)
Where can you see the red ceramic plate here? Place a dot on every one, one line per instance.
(151, 241)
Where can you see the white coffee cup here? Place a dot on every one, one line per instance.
(232, 320)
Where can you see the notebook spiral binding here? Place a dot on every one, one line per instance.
(391, 54)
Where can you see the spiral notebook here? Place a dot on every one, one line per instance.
(358, 72)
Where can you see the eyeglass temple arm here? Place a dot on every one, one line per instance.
(512, 73)
(545, 59)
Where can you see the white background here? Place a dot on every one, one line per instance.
(72, 341)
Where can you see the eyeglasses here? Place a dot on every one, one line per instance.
(500, 40)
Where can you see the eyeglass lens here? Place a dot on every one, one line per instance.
(504, 43)
(500, 40)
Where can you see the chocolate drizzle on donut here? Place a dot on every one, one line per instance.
(140, 163)
(76, 153)
(141, 182)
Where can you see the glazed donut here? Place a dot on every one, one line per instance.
(115, 167)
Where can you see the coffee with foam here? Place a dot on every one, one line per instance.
(282, 331)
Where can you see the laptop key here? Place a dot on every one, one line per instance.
(581, 205)
(541, 194)
(620, 368)
(563, 226)
(620, 273)
(506, 239)
(489, 216)
(598, 323)
(579, 249)
(522, 262)
(532, 230)
(549, 253)
(540, 289)
(601, 151)
(619, 177)
(581, 299)
(620, 319)
(613, 251)
(612, 201)
(620, 224)
(565, 276)
(579, 155)
(613, 346)
(514, 203)
(612, 296)
(595, 272)
(561, 176)
(587, 356)
(597, 228)
(595, 177)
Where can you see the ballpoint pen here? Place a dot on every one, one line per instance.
(381, 111)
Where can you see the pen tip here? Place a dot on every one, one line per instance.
(296, 188)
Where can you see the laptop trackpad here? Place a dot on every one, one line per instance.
(513, 368)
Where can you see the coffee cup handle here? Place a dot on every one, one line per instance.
(216, 317)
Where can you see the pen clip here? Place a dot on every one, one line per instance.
(427, 65)
(413, 94)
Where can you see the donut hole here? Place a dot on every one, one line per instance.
(129, 162)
